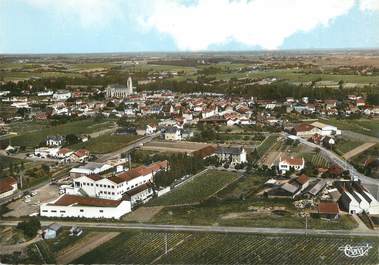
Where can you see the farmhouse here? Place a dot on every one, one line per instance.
(8, 186)
(55, 140)
(234, 155)
(140, 194)
(84, 207)
(292, 163)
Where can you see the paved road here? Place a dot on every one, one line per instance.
(340, 162)
(131, 146)
(192, 228)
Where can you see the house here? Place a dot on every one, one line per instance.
(8, 186)
(64, 153)
(54, 141)
(291, 188)
(173, 134)
(205, 152)
(328, 210)
(291, 163)
(69, 206)
(305, 130)
(234, 155)
(52, 231)
(80, 155)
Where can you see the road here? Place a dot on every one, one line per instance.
(213, 229)
(131, 146)
(340, 162)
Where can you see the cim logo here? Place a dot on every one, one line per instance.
(355, 251)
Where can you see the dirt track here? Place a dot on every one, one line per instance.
(358, 150)
(83, 246)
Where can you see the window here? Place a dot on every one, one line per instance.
(101, 211)
(45, 211)
(62, 211)
(112, 193)
(53, 211)
(91, 184)
(81, 210)
(101, 185)
(97, 185)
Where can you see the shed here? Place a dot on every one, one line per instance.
(52, 231)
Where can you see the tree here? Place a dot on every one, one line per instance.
(30, 227)
(72, 139)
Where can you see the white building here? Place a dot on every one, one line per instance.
(89, 169)
(67, 206)
(62, 95)
(56, 140)
(45, 152)
(235, 155)
(115, 187)
(292, 163)
(326, 130)
(173, 134)
(8, 186)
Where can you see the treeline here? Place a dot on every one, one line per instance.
(180, 165)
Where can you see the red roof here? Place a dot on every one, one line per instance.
(94, 177)
(143, 170)
(302, 179)
(303, 127)
(6, 184)
(328, 208)
(81, 153)
(64, 151)
(293, 161)
(67, 200)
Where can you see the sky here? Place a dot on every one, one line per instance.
(81, 26)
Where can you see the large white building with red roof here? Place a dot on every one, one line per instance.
(291, 163)
(69, 206)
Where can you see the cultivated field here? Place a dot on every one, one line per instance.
(197, 189)
(219, 248)
(34, 138)
(177, 147)
(106, 143)
(358, 150)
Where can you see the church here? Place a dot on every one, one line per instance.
(120, 91)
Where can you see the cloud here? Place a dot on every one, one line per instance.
(264, 23)
(369, 5)
(90, 13)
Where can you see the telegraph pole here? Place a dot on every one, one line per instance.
(165, 244)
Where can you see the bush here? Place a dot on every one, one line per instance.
(30, 227)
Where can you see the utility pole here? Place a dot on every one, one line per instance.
(130, 160)
(306, 224)
(165, 244)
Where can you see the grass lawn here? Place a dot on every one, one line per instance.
(32, 139)
(197, 189)
(344, 145)
(141, 247)
(106, 143)
(363, 126)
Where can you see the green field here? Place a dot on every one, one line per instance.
(106, 143)
(32, 139)
(266, 144)
(220, 248)
(363, 126)
(7, 76)
(197, 189)
(344, 145)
